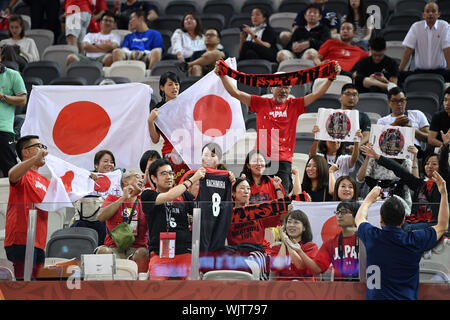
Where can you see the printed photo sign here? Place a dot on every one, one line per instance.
(392, 142)
(337, 125)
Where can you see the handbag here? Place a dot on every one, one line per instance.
(88, 207)
(122, 234)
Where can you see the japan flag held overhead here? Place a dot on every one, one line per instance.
(203, 113)
(77, 121)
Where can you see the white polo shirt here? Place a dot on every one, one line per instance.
(429, 44)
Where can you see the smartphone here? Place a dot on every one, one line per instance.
(378, 74)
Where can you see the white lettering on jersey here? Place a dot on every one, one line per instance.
(347, 250)
(40, 186)
(278, 114)
(215, 184)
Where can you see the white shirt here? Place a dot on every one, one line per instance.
(429, 44)
(182, 41)
(343, 163)
(99, 37)
(27, 46)
(417, 118)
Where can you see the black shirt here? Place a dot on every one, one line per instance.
(440, 121)
(366, 67)
(316, 36)
(167, 217)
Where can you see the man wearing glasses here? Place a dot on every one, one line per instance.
(402, 118)
(99, 46)
(27, 188)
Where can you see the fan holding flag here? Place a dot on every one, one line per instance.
(27, 188)
(276, 118)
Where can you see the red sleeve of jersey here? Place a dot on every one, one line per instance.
(323, 50)
(323, 257)
(109, 199)
(255, 103)
(299, 104)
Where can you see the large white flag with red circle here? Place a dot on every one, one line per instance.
(77, 121)
(203, 113)
(69, 183)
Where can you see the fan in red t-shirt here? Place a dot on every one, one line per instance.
(286, 262)
(276, 122)
(26, 188)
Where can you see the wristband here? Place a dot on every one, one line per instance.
(190, 182)
(278, 189)
(184, 184)
(3, 98)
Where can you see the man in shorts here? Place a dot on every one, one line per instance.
(99, 46)
(78, 18)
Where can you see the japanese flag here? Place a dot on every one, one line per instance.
(323, 220)
(77, 121)
(69, 183)
(203, 113)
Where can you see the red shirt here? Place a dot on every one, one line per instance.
(84, 5)
(282, 117)
(329, 253)
(290, 271)
(263, 193)
(138, 220)
(23, 195)
(252, 231)
(347, 55)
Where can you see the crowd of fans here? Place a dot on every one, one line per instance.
(332, 172)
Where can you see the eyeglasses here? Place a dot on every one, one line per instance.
(210, 35)
(399, 100)
(39, 145)
(350, 94)
(342, 212)
(167, 173)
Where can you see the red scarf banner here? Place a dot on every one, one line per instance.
(325, 70)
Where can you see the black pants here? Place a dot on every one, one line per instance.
(51, 10)
(251, 50)
(16, 254)
(7, 152)
(282, 169)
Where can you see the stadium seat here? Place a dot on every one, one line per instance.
(425, 82)
(30, 81)
(381, 8)
(45, 70)
(238, 19)
(153, 102)
(153, 82)
(374, 117)
(212, 20)
(131, 69)
(230, 41)
(249, 5)
(224, 7)
(186, 83)
(338, 6)
(181, 7)
(227, 275)
(394, 49)
(122, 33)
(282, 19)
(126, 270)
(4, 34)
(117, 80)
(42, 37)
(291, 65)
(303, 142)
(251, 89)
(22, 8)
(394, 33)
(26, 21)
(404, 5)
(250, 123)
(55, 222)
(255, 66)
(71, 243)
(69, 81)
(11, 65)
(425, 101)
(293, 5)
(306, 122)
(336, 85)
(90, 70)
(166, 35)
(326, 101)
(404, 18)
(167, 22)
(299, 160)
(59, 53)
(373, 102)
(168, 65)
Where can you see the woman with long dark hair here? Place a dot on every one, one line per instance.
(315, 179)
(357, 14)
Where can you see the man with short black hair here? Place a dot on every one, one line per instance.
(378, 72)
(393, 253)
(440, 122)
(27, 188)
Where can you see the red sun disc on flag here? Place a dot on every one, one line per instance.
(330, 229)
(67, 180)
(213, 115)
(102, 184)
(80, 127)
